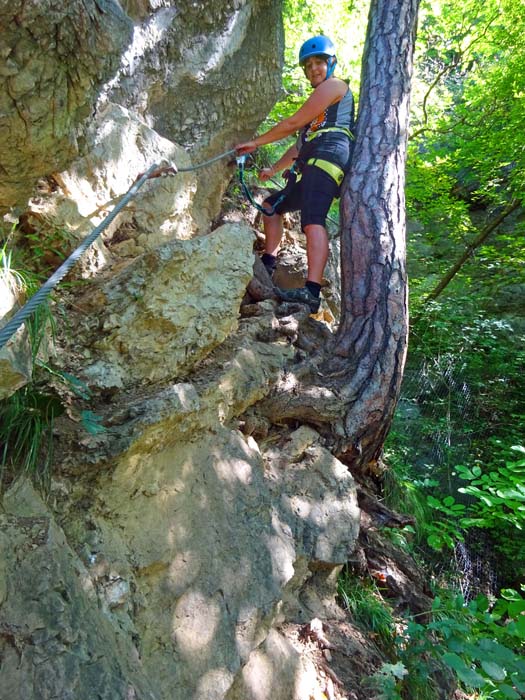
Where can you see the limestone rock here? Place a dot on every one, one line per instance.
(15, 364)
(53, 60)
(55, 641)
(235, 376)
(202, 77)
(206, 552)
(192, 74)
(275, 671)
(118, 148)
(172, 307)
(316, 496)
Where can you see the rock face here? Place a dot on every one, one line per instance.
(202, 76)
(179, 560)
(172, 545)
(158, 323)
(95, 92)
(54, 59)
(56, 640)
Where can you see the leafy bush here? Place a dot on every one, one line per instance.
(499, 493)
(481, 646)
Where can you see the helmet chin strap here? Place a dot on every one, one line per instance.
(331, 63)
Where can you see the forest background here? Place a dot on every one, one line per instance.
(455, 456)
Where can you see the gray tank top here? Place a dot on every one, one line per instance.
(340, 114)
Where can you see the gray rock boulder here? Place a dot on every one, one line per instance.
(56, 641)
(54, 58)
(171, 308)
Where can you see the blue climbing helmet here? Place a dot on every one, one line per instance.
(319, 46)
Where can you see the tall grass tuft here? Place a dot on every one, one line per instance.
(367, 608)
(27, 417)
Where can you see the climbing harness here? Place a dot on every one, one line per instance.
(291, 175)
(291, 178)
(324, 130)
(155, 170)
(331, 169)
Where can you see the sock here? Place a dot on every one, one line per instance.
(313, 288)
(269, 261)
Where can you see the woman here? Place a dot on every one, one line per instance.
(321, 155)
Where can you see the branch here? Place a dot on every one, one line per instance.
(459, 58)
(484, 234)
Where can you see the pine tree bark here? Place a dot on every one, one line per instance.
(372, 336)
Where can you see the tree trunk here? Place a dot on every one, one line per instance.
(354, 388)
(372, 336)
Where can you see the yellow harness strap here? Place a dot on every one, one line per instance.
(333, 170)
(341, 129)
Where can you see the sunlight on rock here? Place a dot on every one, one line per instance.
(195, 622)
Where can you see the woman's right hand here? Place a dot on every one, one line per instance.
(246, 147)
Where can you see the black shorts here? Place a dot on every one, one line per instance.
(313, 194)
(315, 191)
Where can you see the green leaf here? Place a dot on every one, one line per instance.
(510, 594)
(465, 473)
(398, 670)
(466, 675)
(473, 522)
(516, 607)
(496, 652)
(435, 542)
(511, 494)
(482, 602)
(492, 669)
(508, 692)
(520, 626)
(518, 683)
(433, 502)
(92, 422)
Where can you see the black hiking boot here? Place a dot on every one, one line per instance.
(302, 295)
(270, 263)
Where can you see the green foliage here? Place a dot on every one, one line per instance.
(466, 151)
(436, 518)
(443, 532)
(499, 493)
(481, 646)
(26, 425)
(388, 681)
(27, 417)
(466, 402)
